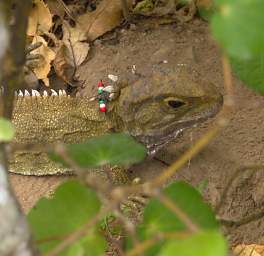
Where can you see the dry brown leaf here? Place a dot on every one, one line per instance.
(107, 16)
(76, 48)
(249, 250)
(63, 70)
(43, 69)
(40, 18)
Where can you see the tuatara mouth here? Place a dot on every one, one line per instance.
(153, 148)
(156, 142)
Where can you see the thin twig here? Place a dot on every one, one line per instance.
(125, 9)
(229, 89)
(66, 9)
(142, 247)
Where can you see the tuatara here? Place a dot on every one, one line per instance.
(153, 109)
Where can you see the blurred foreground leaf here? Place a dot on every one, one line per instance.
(250, 71)
(72, 206)
(238, 26)
(7, 130)
(209, 243)
(113, 149)
(159, 219)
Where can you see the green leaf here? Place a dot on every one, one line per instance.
(113, 149)
(7, 130)
(158, 218)
(250, 71)
(87, 246)
(209, 243)
(72, 206)
(238, 27)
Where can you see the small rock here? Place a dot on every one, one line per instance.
(133, 27)
(123, 31)
(134, 69)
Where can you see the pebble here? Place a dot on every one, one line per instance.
(133, 27)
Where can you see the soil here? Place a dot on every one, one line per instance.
(146, 44)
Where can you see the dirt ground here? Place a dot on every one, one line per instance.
(146, 44)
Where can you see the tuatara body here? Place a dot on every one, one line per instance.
(153, 109)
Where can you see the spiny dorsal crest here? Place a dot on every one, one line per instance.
(60, 93)
(35, 93)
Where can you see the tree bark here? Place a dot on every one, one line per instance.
(15, 236)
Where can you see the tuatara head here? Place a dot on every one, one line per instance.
(156, 109)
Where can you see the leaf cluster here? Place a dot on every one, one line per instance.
(185, 224)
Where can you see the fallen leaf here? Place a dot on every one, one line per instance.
(76, 47)
(249, 250)
(62, 68)
(107, 16)
(40, 18)
(43, 69)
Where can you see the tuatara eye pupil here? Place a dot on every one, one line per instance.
(175, 103)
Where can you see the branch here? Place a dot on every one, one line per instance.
(13, 62)
(125, 9)
(14, 233)
(15, 236)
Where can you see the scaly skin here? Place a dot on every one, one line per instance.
(154, 110)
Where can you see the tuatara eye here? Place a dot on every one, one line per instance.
(175, 103)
